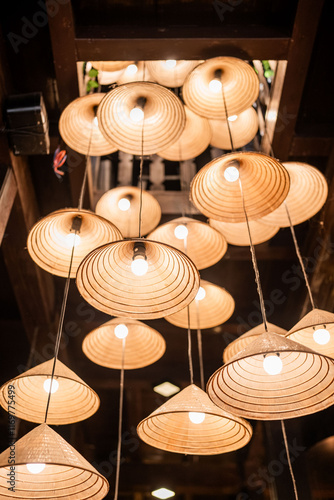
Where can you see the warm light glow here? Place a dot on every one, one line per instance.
(166, 389)
(321, 336)
(232, 118)
(170, 63)
(72, 239)
(124, 204)
(231, 174)
(139, 266)
(47, 385)
(121, 331)
(215, 86)
(200, 294)
(272, 364)
(132, 69)
(196, 417)
(181, 232)
(163, 493)
(35, 468)
(95, 121)
(137, 114)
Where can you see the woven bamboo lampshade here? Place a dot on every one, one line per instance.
(237, 233)
(194, 139)
(73, 401)
(143, 345)
(204, 245)
(78, 127)
(109, 77)
(243, 130)
(304, 331)
(247, 338)
(214, 309)
(170, 73)
(163, 122)
(265, 183)
(66, 473)
(128, 220)
(306, 183)
(239, 82)
(105, 279)
(141, 75)
(50, 245)
(169, 427)
(110, 65)
(304, 386)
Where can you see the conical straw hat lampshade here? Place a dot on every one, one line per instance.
(73, 401)
(169, 427)
(66, 473)
(205, 246)
(304, 385)
(110, 65)
(243, 129)
(237, 233)
(50, 240)
(143, 345)
(130, 75)
(171, 73)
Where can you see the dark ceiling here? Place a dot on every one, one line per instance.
(300, 32)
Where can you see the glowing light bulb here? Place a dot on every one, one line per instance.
(137, 114)
(72, 240)
(35, 468)
(121, 331)
(95, 121)
(181, 232)
(170, 63)
(321, 336)
(231, 174)
(196, 417)
(54, 387)
(215, 86)
(232, 118)
(200, 294)
(124, 204)
(272, 364)
(132, 69)
(139, 266)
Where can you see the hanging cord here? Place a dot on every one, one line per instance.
(191, 370)
(199, 343)
(120, 421)
(144, 70)
(254, 261)
(289, 461)
(299, 256)
(141, 181)
(227, 120)
(84, 180)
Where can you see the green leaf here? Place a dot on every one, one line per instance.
(93, 73)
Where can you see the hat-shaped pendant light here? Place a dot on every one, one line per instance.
(215, 192)
(194, 139)
(190, 423)
(274, 378)
(72, 399)
(243, 128)
(203, 244)
(46, 466)
(171, 73)
(135, 72)
(202, 90)
(237, 233)
(110, 65)
(79, 128)
(141, 117)
(143, 346)
(121, 206)
(247, 338)
(212, 306)
(306, 183)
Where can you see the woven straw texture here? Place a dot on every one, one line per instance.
(303, 331)
(306, 184)
(106, 281)
(205, 246)
(243, 130)
(142, 75)
(66, 474)
(240, 84)
(143, 345)
(78, 130)
(128, 221)
(110, 65)
(171, 77)
(163, 123)
(237, 233)
(265, 183)
(304, 386)
(214, 309)
(194, 139)
(109, 77)
(247, 338)
(169, 427)
(73, 401)
(50, 248)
